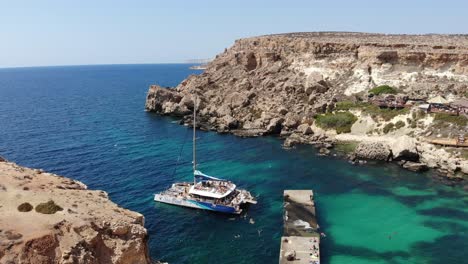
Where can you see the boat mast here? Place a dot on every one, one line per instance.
(194, 138)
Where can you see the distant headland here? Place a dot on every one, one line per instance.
(389, 97)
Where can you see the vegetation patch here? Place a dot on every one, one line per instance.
(388, 127)
(348, 105)
(464, 154)
(25, 207)
(48, 208)
(399, 124)
(460, 121)
(385, 113)
(256, 113)
(383, 89)
(341, 121)
(372, 110)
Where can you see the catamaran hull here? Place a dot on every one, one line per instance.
(196, 204)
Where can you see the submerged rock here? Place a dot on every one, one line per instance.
(415, 166)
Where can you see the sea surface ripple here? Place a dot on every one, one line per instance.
(88, 123)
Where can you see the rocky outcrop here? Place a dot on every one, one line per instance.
(86, 226)
(414, 166)
(273, 84)
(277, 84)
(373, 150)
(405, 149)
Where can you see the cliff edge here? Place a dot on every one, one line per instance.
(281, 84)
(46, 218)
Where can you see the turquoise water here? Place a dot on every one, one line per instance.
(88, 123)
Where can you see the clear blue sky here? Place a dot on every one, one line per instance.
(66, 32)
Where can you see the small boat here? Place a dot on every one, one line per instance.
(206, 192)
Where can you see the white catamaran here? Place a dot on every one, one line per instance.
(206, 192)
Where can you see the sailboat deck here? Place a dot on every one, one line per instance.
(213, 189)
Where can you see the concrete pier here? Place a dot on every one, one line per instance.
(300, 242)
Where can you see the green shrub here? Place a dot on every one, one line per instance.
(25, 207)
(399, 124)
(383, 89)
(388, 127)
(341, 121)
(48, 208)
(371, 110)
(345, 105)
(348, 105)
(385, 113)
(460, 120)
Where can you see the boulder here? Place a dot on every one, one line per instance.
(230, 122)
(238, 100)
(305, 129)
(324, 151)
(317, 88)
(274, 127)
(404, 148)
(464, 167)
(373, 150)
(282, 110)
(158, 96)
(415, 166)
(224, 110)
(291, 121)
(312, 98)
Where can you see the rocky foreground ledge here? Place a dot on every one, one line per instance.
(46, 218)
(279, 84)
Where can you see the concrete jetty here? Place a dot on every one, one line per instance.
(300, 242)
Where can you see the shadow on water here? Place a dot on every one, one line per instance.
(446, 249)
(449, 213)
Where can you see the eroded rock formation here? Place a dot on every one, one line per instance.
(86, 228)
(276, 84)
(273, 84)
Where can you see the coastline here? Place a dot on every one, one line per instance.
(49, 218)
(281, 84)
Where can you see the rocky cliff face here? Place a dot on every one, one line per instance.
(46, 218)
(275, 83)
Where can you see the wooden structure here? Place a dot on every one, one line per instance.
(389, 101)
(460, 141)
(461, 105)
(441, 108)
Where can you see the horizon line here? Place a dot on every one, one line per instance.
(96, 64)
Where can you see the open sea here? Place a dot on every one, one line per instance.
(88, 123)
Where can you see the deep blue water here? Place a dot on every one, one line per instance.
(88, 123)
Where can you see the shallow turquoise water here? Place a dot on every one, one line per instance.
(88, 123)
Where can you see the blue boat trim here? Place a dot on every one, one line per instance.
(213, 207)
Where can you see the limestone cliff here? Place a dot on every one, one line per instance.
(276, 84)
(272, 83)
(46, 218)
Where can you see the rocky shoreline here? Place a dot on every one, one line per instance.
(46, 218)
(278, 84)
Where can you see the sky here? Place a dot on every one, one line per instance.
(83, 32)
